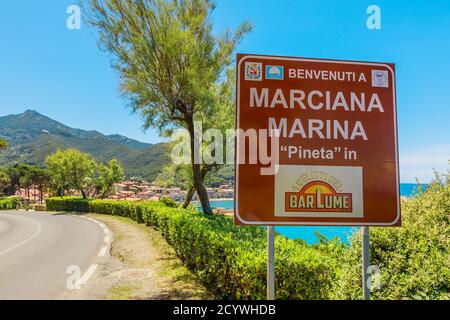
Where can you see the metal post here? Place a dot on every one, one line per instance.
(270, 263)
(365, 262)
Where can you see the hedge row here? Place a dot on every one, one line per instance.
(230, 260)
(9, 203)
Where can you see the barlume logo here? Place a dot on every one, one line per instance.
(318, 196)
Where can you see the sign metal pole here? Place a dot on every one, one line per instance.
(365, 262)
(270, 263)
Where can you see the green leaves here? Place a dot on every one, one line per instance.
(9, 203)
(70, 169)
(73, 170)
(4, 180)
(230, 260)
(107, 176)
(3, 144)
(166, 54)
(170, 63)
(414, 260)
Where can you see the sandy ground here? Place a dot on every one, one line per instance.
(141, 265)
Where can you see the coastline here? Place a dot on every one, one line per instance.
(221, 199)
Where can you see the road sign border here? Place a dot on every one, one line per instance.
(243, 58)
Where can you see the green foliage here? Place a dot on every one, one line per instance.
(3, 144)
(167, 55)
(169, 202)
(73, 170)
(230, 260)
(41, 178)
(108, 175)
(5, 181)
(14, 173)
(22, 176)
(68, 204)
(175, 176)
(414, 260)
(9, 203)
(171, 64)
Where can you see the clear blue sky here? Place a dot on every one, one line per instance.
(62, 74)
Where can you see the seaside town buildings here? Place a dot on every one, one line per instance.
(135, 190)
(142, 190)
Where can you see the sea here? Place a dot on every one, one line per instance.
(308, 233)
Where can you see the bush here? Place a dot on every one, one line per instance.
(10, 203)
(169, 202)
(69, 204)
(414, 260)
(229, 260)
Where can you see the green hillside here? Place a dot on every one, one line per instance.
(32, 137)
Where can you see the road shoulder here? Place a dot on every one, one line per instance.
(143, 266)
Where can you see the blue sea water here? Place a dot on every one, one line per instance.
(307, 233)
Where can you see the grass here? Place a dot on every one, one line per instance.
(122, 292)
(173, 267)
(143, 248)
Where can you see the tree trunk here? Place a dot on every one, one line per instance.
(196, 170)
(83, 194)
(191, 191)
(189, 197)
(105, 192)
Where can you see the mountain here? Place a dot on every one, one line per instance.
(33, 136)
(134, 144)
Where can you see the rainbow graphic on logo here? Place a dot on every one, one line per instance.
(318, 196)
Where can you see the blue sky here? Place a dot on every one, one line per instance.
(62, 74)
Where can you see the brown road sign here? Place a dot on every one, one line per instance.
(331, 133)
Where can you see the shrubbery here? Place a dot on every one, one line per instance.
(70, 204)
(230, 260)
(9, 203)
(414, 260)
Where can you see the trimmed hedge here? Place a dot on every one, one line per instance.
(231, 261)
(70, 204)
(10, 203)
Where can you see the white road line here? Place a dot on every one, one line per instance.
(84, 279)
(39, 229)
(103, 250)
(108, 236)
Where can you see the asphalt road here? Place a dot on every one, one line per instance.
(36, 250)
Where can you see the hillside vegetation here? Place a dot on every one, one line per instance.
(32, 137)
